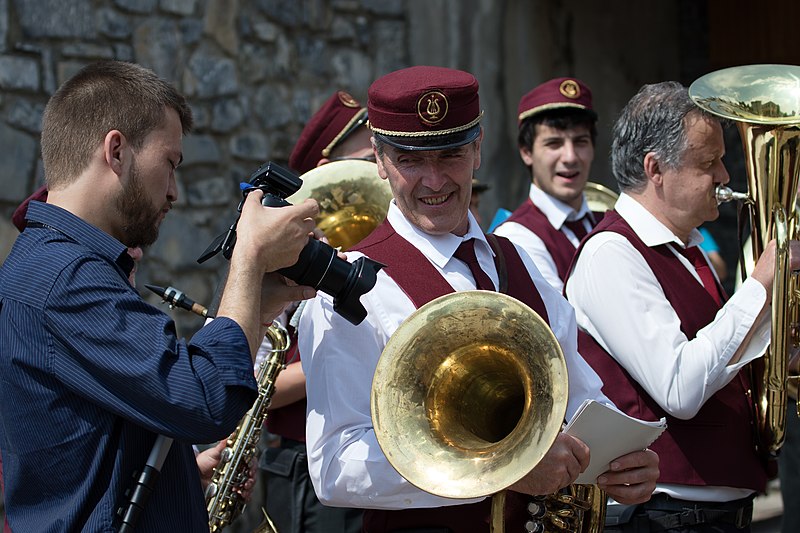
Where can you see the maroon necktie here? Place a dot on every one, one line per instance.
(466, 253)
(577, 227)
(695, 256)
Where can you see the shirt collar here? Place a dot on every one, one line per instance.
(648, 227)
(439, 249)
(556, 211)
(78, 230)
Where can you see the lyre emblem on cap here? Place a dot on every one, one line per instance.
(347, 100)
(570, 89)
(432, 107)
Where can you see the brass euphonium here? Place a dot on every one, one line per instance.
(599, 198)
(468, 395)
(764, 102)
(353, 199)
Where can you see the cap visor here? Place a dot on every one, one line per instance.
(433, 142)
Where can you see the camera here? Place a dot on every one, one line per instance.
(319, 265)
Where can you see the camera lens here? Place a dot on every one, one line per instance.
(320, 267)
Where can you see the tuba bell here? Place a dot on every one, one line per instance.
(764, 103)
(353, 199)
(468, 395)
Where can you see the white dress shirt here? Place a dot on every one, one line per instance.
(346, 464)
(619, 301)
(557, 212)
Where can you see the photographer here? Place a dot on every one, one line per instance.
(92, 374)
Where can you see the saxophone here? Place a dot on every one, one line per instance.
(223, 502)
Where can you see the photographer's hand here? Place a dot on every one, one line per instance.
(268, 238)
(275, 234)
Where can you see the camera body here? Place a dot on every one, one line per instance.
(276, 182)
(319, 265)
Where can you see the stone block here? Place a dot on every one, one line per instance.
(20, 151)
(56, 18)
(199, 149)
(19, 73)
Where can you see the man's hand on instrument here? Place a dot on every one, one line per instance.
(764, 269)
(631, 478)
(209, 459)
(560, 466)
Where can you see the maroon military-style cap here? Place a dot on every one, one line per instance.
(557, 93)
(18, 218)
(338, 117)
(425, 108)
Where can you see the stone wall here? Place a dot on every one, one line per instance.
(255, 70)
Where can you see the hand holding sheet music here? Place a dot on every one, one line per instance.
(609, 433)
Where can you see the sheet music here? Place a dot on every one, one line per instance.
(610, 433)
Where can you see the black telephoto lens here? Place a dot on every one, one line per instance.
(320, 267)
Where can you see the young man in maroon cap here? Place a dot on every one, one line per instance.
(557, 131)
(337, 131)
(427, 135)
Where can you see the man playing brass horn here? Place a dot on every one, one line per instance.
(646, 294)
(426, 137)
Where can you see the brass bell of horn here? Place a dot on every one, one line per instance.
(599, 197)
(353, 199)
(469, 394)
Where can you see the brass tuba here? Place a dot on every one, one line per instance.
(468, 395)
(353, 199)
(764, 102)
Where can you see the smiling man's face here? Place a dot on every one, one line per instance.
(432, 188)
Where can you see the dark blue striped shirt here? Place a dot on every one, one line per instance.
(90, 374)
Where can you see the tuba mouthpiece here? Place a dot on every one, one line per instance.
(726, 194)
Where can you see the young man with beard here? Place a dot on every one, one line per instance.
(557, 131)
(661, 332)
(91, 373)
(426, 131)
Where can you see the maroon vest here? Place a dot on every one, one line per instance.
(716, 446)
(420, 280)
(558, 245)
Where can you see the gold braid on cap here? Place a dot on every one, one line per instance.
(328, 149)
(436, 133)
(545, 107)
